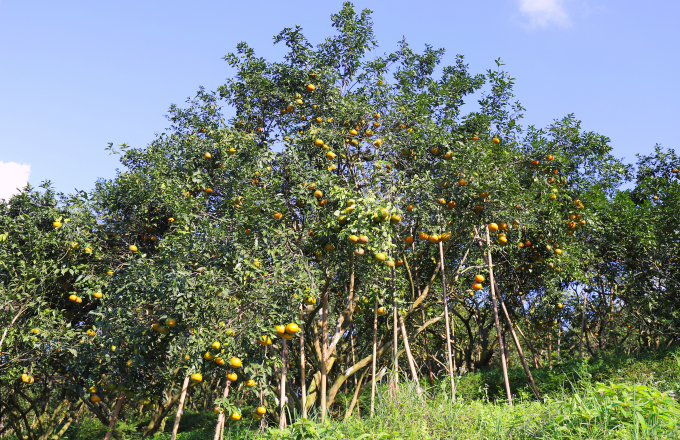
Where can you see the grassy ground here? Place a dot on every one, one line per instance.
(615, 397)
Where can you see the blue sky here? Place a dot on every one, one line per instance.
(75, 75)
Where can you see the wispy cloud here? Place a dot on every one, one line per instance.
(544, 13)
(12, 176)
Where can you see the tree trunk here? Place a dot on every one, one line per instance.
(448, 325)
(180, 407)
(114, 416)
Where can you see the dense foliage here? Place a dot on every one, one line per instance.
(348, 221)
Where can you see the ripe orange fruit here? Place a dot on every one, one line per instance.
(56, 225)
(493, 227)
(441, 201)
(209, 190)
(133, 248)
(423, 236)
(549, 158)
(434, 238)
(292, 328)
(408, 240)
(479, 278)
(462, 182)
(477, 286)
(409, 208)
(318, 194)
(363, 239)
(98, 295)
(674, 171)
(380, 256)
(232, 377)
(95, 398)
(535, 162)
(235, 415)
(219, 361)
(382, 311)
(170, 322)
(475, 138)
(311, 87)
(495, 140)
(196, 377)
(208, 155)
(278, 216)
(261, 410)
(451, 205)
(250, 383)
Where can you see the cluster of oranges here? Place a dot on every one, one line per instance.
(287, 331)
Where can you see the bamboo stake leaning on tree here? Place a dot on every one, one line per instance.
(324, 352)
(303, 384)
(356, 396)
(375, 341)
(511, 326)
(221, 418)
(282, 398)
(114, 417)
(404, 336)
(583, 321)
(515, 339)
(394, 381)
(501, 346)
(448, 325)
(180, 407)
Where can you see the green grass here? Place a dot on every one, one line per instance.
(614, 397)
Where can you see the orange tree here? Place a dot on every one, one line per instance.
(51, 278)
(348, 196)
(632, 264)
(367, 153)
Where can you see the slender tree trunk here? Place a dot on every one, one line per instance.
(114, 416)
(583, 322)
(559, 342)
(348, 414)
(501, 346)
(550, 348)
(282, 397)
(448, 325)
(324, 353)
(180, 407)
(373, 361)
(409, 356)
(221, 418)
